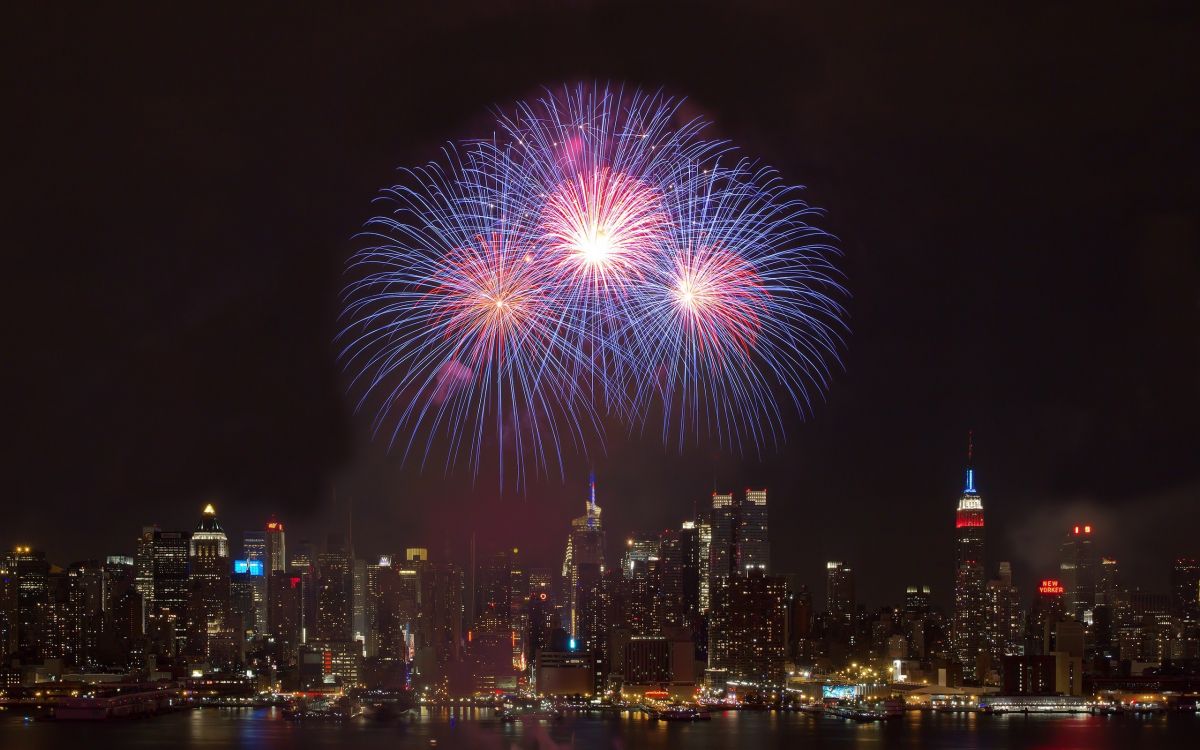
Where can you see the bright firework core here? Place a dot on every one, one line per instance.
(593, 247)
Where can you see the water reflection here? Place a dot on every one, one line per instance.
(461, 727)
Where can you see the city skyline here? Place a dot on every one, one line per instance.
(943, 583)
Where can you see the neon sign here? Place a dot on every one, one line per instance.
(1051, 586)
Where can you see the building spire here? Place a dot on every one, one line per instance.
(970, 461)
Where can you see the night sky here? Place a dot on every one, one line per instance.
(1016, 192)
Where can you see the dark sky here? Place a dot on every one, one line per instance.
(1016, 190)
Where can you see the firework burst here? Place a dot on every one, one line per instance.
(595, 261)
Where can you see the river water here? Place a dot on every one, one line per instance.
(266, 729)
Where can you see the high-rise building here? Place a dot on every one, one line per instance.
(703, 555)
(285, 615)
(1005, 621)
(639, 548)
(840, 600)
(1185, 589)
(335, 591)
(493, 594)
(691, 571)
(254, 551)
(970, 606)
(276, 547)
(1077, 571)
(721, 560)
(303, 563)
(747, 629)
(753, 547)
(144, 570)
(208, 606)
(439, 631)
(585, 547)
(918, 599)
(31, 572)
(800, 620)
(360, 603)
(170, 602)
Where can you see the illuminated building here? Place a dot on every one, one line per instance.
(540, 623)
(31, 571)
(517, 587)
(670, 599)
(753, 546)
(123, 612)
(492, 638)
(1077, 571)
(721, 548)
(563, 673)
(970, 607)
(359, 602)
(1005, 621)
(303, 563)
(340, 661)
(285, 615)
(143, 562)
(8, 609)
(918, 599)
(1047, 611)
(276, 547)
(394, 589)
(840, 600)
(747, 628)
(693, 568)
(493, 594)
(243, 597)
(638, 549)
(208, 606)
(170, 604)
(647, 660)
(585, 547)
(335, 591)
(703, 555)
(1185, 590)
(439, 634)
(254, 550)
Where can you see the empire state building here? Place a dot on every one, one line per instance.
(970, 612)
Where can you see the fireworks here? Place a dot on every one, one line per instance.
(595, 261)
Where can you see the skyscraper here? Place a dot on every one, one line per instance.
(1185, 589)
(169, 610)
(276, 547)
(970, 616)
(254, 551)
(721, 550)
(1077, 571)
(703, 555)
(335, 591)
(208, 555)
(31, 571)
(143, 563)
(753, 547)
(585, 547)
(839, 592)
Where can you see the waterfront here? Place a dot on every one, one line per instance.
(265, 728)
